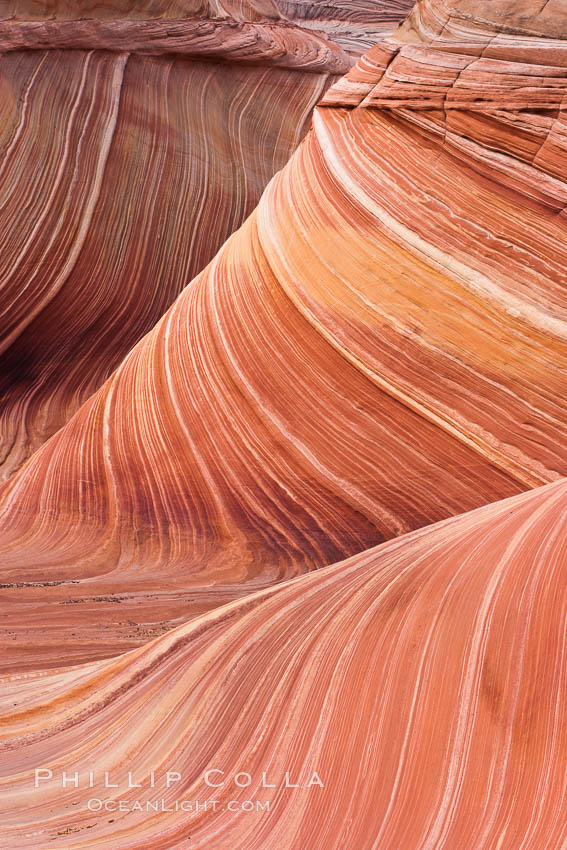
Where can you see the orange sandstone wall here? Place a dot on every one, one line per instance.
(381, 345)
(378, 355)
(135, 171)
(423, 681)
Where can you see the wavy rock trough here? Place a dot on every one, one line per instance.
(123, 172)
(191, 579)
(152, 164)
(371, 352)
(337, 673)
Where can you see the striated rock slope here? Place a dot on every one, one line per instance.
(122, 174)
(148, 165)
(380, 351)
(381, 345)
(162, 10)
(424, 682)
(354, 24)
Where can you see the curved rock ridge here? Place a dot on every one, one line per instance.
(373, 351)
(118, 143)
(310, 36)
(426, 676)
(58, 10)
(137, 170)
(244, 31)
(276, 44)
(450, 54)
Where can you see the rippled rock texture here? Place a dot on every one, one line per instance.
(258, 11)
(333, 473)
(135, 171)
(354, 24)
(371, 352)
(424, 682)
(122, 174)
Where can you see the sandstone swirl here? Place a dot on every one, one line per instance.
(354, 24)
(382, 345)
(424, 682)
(122, 174)
(377, 356)
(258, 11)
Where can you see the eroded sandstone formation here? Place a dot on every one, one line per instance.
(354, 24)
(145, 10)
(122, 174)
(145, 167)
(373, 351)
(378, 355)
(424, 682)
